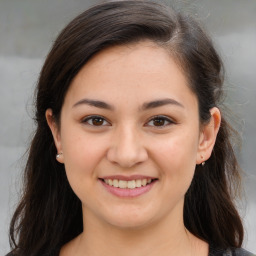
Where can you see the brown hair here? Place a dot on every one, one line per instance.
(49, 213)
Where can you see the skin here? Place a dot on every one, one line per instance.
(129, 141)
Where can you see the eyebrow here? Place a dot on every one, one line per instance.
(145, 106)
(95, 103)
(160, 103)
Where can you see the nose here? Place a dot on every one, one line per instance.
(126, 148)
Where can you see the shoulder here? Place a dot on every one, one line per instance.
(241, 252)
(53, 252)
(230, 252)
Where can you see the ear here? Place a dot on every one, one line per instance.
(55, 133)
(208, 136)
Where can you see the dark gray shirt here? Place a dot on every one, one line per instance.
(229, 252)
(212, 252)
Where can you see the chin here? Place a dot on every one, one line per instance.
(129, 225)
(129, 220)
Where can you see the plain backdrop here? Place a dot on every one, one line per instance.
(27, 30)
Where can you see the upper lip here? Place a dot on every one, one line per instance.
(127, 178)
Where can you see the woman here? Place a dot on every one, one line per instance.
(132, 154)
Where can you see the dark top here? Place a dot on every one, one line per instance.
(212, 252)
(229, 252)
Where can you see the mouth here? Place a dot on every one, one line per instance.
(128, 187)
(128, 184)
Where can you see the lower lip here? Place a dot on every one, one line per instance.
(126, 192)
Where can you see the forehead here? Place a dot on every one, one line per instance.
(127, 71)
(145, 54)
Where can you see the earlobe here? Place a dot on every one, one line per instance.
(55, 133)
(208, 136)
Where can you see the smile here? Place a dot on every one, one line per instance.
(128, 187)
(131, 184)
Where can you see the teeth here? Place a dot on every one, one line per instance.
(138, 183)
(115, 183)
(144, 182)
(131, 184)
(122, 184)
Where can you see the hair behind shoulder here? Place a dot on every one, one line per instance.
(49, 213)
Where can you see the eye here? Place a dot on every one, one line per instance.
(160, 121)
(96, 121)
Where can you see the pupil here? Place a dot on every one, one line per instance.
(159, 122)
(97, 121)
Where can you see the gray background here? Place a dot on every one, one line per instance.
(27, 30)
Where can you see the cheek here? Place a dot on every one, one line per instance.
(176, 156)
(82, 154)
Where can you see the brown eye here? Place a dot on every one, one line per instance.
(160, 121)
(95, 121)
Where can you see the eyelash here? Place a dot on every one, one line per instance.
(154, 118)
(163, 118)
(86, 120)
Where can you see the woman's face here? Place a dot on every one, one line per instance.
(130, 136)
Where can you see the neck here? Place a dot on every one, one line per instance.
(167, 238)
